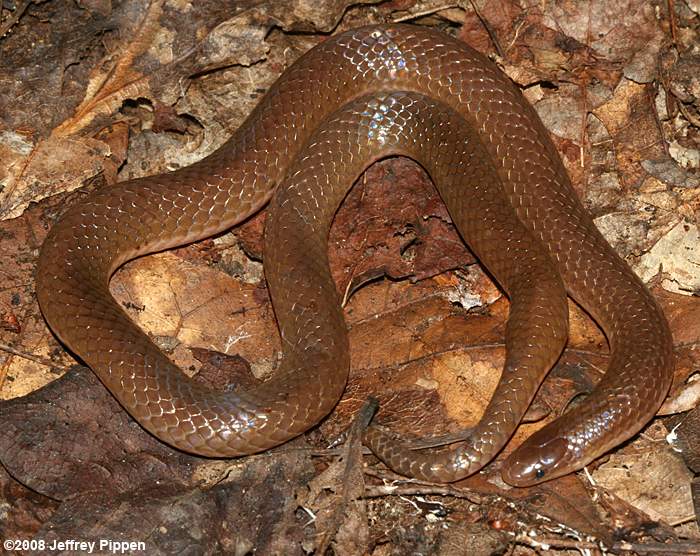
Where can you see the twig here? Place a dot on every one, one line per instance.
(672, 21)
(489, 30)
(688, 116)
(30, 357)
(425, 12)
(686, 519)
(620, 546)
(658, 548)
(657, 121)
(14, 18)
(546, 544)
(421, 490)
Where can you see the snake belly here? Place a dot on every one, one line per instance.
(150, 214)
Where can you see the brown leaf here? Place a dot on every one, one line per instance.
(651, 476)
(72, 436)
(222, 371)
(26, 510)
(403, 230)
(334, 496)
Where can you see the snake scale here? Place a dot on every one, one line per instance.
(360, 96)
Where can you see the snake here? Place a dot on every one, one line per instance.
(355, 98)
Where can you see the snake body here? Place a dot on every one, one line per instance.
(357, 97)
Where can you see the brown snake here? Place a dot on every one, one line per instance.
(363, 95)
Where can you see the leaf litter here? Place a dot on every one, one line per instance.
(111, 92)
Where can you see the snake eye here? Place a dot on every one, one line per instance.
(539, 474)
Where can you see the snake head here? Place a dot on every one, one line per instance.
(536, 461)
